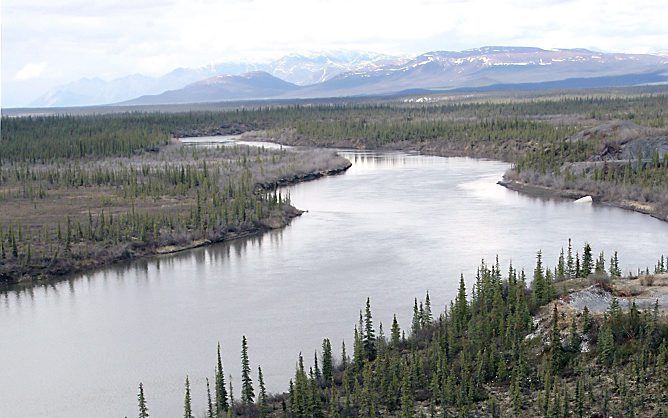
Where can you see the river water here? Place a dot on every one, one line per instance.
(392, 227)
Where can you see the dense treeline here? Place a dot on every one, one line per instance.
(501, 349)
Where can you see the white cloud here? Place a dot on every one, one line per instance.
(30, 71)
(112, 38)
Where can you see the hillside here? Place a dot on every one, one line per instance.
(509, 68)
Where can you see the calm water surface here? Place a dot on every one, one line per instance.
(392, 227)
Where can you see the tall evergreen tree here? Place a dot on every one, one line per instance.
(187, 406)
(396, 332)
(262, 396)
(428, 317)
(587, 261)
(143, 408)
(614, 266)
(561, 266)
(209, 403)
(416, 323)
(538, 285)
(221, 404)
(247, 392)
(369, 333)
(460, 310)
(570, 263)
(327, 362)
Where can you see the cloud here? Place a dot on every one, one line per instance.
(113, 38)
(30, 71)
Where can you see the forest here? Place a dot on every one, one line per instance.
(504, 348)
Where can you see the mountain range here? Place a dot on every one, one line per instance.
(354, 73)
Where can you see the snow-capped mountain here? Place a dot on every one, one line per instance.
(303, 69)
(345, 73)
(490, 66)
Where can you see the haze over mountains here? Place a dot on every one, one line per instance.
(355, 73)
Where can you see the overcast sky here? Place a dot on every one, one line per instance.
(50, 42)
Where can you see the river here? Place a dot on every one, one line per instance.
(392, 227)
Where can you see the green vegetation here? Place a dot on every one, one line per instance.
(78, 192)
(501, 349)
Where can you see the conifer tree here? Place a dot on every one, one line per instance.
(396, 332)
(327, 362)
(428, 317)
(358, 351)
(614, 266)
(209, 403)
(570, 264)
(317, 375)
(600, 264)
(538, 285)
(460, 310)
(344, 356)
(407, 398)
(187, 407)
(606, 345)
(415, 324)
(561, 266)
(221, 404)
(587, 261)
(574, 339)
(369, 333)
(247, 393)
(143, 408)
(262, 396)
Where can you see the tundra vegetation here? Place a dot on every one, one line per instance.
(501, 349)
(78, 192)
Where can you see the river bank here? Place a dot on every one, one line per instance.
(457, 149)
(549, 192)
(68, 217)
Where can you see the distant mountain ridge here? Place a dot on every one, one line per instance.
(300, 69)
(353, 74)
(256, 84)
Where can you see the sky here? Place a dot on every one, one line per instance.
(46, 43)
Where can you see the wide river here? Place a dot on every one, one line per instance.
(391, 228)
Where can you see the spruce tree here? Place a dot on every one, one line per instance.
(614, 266)
(587, 261)
(209, 403)
(407, 398)
(460, 310)
(415, 324)
(143, 408)
(327, 362)
(369, 333)
(574, 339)
(428, 317)
(396, 332)
(187, 407)
(606, 345)
(247, 393)
(538, 285)
(570, 263)
(221, 404)
(262, 396)
(561, 266)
